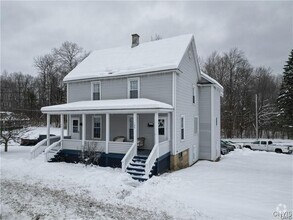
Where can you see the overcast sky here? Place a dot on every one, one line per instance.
(263, 30)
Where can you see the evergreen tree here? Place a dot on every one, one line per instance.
(285, 99)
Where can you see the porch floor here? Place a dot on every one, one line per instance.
(143, 152)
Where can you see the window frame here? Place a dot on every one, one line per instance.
(93, 128)
(165, 127)
(195, 125)
(193, 94)
(182, 127)
(138, 87)
(78, 125)
(128, 126)
(92, 90)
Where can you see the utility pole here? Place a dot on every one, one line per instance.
(256, 118)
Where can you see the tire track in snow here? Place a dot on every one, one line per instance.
(39, 202)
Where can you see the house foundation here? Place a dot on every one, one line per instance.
(180, 161)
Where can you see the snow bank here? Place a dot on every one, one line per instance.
(244, 184)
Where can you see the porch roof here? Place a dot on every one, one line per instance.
(109, 106)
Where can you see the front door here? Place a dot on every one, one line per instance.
(75, 125)
(163, 129)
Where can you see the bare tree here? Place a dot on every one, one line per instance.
(156, 37)
(91, 153)
(11, 128)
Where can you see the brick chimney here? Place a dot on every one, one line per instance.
(135, 40)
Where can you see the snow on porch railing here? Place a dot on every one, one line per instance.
(128, 156)
(52, 150)
(151, 160)
(42, 145)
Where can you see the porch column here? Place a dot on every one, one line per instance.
(83, 130)
(62, 127)
(135, 130)
(107, 132)
(156, 132)
(68, 124)
(169, 126)
(48, 130)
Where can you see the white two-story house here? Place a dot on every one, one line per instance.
(147, 107)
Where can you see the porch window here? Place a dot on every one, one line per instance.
(193, 94)
(182, 127)
(75, 126)
(97, 121)
(161, 127)
(130, 128)
(96, 91)
(133, 88)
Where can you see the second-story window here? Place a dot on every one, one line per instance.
(133, 88)
(193, 95)
(96, 90)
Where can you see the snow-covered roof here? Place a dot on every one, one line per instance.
(130, 105)
(212, 81)
(151, 56)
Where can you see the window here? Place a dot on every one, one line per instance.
(193, 94)
(133, 88)
(182, 127)
(270, 142)
(256, 142)
(96, 91)
(195, 125)
(161, 123)
(75, 127)
(263, 142)
(97, 125)
(130, 128)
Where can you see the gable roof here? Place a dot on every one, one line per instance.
(165, 54)
(207, 79)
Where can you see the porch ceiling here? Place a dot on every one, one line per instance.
(109, 106)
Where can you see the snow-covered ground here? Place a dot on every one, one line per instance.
(244, 185)
(34, 132)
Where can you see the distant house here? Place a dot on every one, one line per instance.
(147, 106)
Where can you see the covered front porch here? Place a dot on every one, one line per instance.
(118, 128)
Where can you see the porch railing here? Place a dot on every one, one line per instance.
(164, 147)
(52, 150)
(119, 147)
(151, 160)
(42, 145)
(128, 156)
(71, 144)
